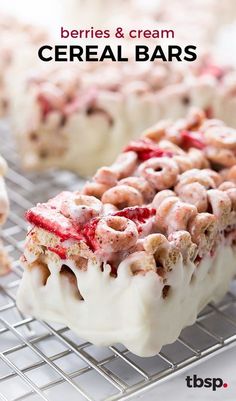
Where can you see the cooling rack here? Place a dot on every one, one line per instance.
(47, 361)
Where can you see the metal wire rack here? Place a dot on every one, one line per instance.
(47, 361)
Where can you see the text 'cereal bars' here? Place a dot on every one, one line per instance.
(146, 244)
(4, 209)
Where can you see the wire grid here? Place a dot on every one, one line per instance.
(47, 361)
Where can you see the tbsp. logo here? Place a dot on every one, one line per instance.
(209, 382)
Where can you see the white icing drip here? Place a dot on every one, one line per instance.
(127, 309)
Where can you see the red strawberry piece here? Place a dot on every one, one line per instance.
(146, 149)
(45, 105)
(192, 139)
(50, 219)
(139, 214)
(59, 250)
(89, 233)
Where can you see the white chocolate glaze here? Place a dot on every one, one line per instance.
(128, 309)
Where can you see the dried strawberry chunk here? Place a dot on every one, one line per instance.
(45, 106)
(192, 140)
(45, 216)
(89, 233)
(59, 250)
(146, 149)
(137, 214)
